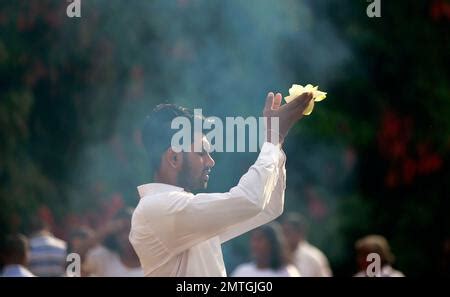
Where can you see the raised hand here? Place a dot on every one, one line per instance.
(287, 114)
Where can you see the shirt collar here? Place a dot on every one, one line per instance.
(151, 188)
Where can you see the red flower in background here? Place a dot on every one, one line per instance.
(406, 161)
(391, 179)
(440, 9)
(394, 135)
(409, 168)
(429, 163)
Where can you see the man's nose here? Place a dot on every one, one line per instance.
(210, 161)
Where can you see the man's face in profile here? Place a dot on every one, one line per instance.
(196, 166)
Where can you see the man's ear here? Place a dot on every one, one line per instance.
(173, 159)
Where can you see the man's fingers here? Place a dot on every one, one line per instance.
(269, 101)
(296, 107)
(277, 101)
(303, 101)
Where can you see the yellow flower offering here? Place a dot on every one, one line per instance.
(297, 90)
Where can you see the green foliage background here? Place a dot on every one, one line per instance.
(372, 158)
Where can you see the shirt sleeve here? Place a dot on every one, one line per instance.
(273, 210)
(181, 220)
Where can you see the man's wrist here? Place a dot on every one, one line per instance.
(274, 137)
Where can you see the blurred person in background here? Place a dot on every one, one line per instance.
(14, 256)
(114, 257)
(379, 245)
(47, 253)
(270, 255)
(81, 239)
(310, 261)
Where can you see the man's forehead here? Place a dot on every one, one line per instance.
(202, 142)
(206, 144)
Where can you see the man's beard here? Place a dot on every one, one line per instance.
(186, 177)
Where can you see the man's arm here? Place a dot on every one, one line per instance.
(273, 210)
(287, 115)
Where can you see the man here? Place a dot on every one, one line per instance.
(379, 245)
(47, 253)
(14, 254)
(177, 233)
(310, 261)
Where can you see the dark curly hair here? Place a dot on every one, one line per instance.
(157, 132)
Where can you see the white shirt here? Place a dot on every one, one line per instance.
(310, 261)
(176, 233)
(15, 270)
(250, 270)
(102, 262)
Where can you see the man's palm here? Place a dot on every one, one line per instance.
(288, 114)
